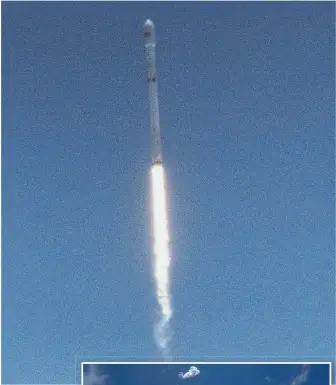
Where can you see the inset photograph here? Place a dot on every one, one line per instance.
(206, 373)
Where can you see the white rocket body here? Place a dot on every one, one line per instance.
(154, 118)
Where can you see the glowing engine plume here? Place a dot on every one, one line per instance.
(161, 258)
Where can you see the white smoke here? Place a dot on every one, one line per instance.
(163, 335)
(302, 377)
(192, 372)
(93, 376)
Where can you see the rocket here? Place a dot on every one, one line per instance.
(154, 118)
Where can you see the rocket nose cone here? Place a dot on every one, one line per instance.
(149, 32)
(148, 24)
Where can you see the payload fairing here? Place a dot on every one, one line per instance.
(154, 118)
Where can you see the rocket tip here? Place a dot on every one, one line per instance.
(148, 23)
(149, 32)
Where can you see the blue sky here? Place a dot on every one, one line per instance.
(247, 113)
(164, 374)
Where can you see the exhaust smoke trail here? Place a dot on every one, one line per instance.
(94, 376)
(162, 332)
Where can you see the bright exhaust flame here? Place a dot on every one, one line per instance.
(161, 258)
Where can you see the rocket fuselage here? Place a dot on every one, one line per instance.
(154, 118)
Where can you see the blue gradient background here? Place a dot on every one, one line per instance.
(247, 111)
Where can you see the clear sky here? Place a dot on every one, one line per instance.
(247, 113)
(209, 374)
